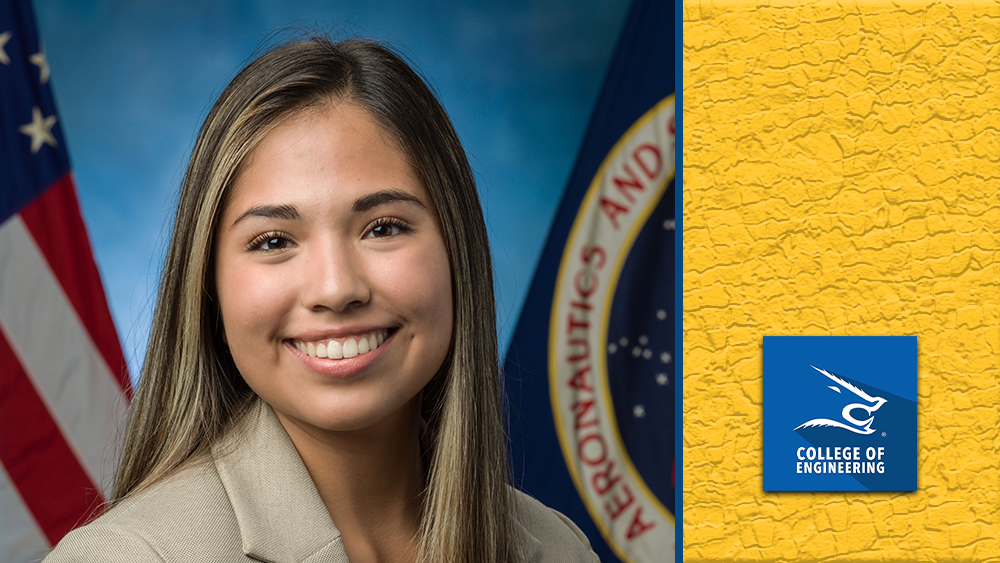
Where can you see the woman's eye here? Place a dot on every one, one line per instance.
(387, 228)
(273, 243)
(385, 231)
(270, 242)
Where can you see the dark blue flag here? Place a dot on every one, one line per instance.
(590, 370)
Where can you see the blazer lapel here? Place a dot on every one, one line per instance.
(281, 516)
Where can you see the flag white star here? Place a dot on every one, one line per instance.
(39, 60)
(40, 130)
(662, 379)
(639, 411)
(4, 38)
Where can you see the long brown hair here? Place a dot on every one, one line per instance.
(190, 391)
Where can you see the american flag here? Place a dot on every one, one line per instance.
(64, 387)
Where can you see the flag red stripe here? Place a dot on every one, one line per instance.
(55, 222)
(41, 464)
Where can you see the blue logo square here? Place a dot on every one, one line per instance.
(840, 413)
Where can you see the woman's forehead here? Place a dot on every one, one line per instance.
(337, 151)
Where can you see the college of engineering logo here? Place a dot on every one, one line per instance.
(611, 342)
(856, 426)
(840, 413)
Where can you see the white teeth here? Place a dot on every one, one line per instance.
(334, 350)
(349, 348)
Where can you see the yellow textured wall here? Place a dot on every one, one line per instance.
(841, 177)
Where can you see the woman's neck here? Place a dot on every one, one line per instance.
(370, 481)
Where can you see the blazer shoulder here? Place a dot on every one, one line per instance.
(103, 543)
(561, 541)
(186, 515)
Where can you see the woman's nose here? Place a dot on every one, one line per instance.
(334, 280)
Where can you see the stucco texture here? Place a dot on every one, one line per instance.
(841, 177)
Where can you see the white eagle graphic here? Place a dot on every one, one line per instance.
(859, 426)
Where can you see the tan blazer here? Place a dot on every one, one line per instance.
(253, 500)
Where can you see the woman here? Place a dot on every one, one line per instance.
(321, 381)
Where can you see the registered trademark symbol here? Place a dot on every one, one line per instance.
(883, 434)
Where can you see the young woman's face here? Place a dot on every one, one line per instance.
(332, 275)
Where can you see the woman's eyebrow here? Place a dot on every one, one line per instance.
(286, 212)
(383, 197)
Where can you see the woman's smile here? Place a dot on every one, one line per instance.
(344, 347)
(333, 279)
(343, 357)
